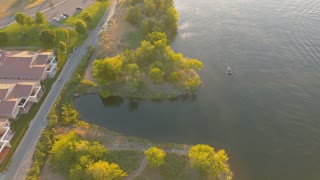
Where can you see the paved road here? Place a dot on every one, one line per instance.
(23, 156)
(61, 6)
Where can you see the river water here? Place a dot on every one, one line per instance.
(266, 115)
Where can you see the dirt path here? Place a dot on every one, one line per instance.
(138, 171)
(115, 141)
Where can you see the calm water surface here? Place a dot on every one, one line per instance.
(266, 116)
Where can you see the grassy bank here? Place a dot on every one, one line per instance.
(96, 10)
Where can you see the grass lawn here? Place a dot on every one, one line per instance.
(96, 10)
(128, 160)
(28, 37)
(176, 167)
(134, 39)
(24, 36)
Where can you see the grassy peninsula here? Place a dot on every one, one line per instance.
(151, 69)
(72, 149)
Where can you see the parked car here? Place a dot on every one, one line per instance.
(55, 19)
(66, 14)
(79, 8)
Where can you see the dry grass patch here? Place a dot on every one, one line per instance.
(115, 39)
(10, 7)
(34, 4)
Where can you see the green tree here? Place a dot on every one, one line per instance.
(134, 14)
(48, 36)
(81, 27)
(87, 17)
(149, 25)
(193, 82)
(157, 38)
(63, 152)
(160, 41)
(174, 77)
(155, 156)
(107, 70)
(134, 2)
(132, 69)
(171, 20)
(103, 170)
(4, 38)
(20, 18)
(29, 20)
(96, 151)
(220, 168)
(156, 75)
(40, 18)
(63, 47)
(149, 7)
(205, 159)
(69, 114)
(201, 157)
(193, 64)
(66, 34)
(145, 53)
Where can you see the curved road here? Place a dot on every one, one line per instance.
(22, 158)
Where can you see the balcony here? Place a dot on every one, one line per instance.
(22, 103)
(35, 94)
(52, 60)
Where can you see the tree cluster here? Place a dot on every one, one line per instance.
(153, 59)
(41, 153)
(23, 19)
(82, 160)
(69, 114)
(48, 36)
(81, 26)
(210, 163)
(153, 15)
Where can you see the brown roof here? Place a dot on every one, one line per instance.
(3, 119)
(6, 108)
(21, 91)
(41, 60)
(19, 68)
(9, 98)
(22, 65)
(3, 94)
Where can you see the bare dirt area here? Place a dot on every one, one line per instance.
(112, 41)
(48, 173)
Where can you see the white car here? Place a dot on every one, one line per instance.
(55, 19)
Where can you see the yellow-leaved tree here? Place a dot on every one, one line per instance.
(208, 162)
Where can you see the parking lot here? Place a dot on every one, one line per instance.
(68, 8)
